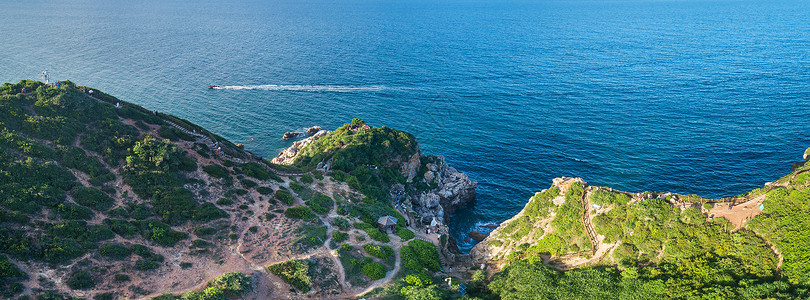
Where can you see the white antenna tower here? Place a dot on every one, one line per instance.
(45, 76)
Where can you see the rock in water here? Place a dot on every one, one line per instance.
(491, 226)
(313, 130)
(477, 235)
(289, 135)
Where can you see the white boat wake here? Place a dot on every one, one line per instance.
(307, 88)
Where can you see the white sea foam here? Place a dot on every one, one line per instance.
(308, 88)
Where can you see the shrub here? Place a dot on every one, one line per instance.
(247, 183)
(419, 254)
(294, 272)
(373, 270)
(114, 250)
(320, 203)
(81, 280)
(284, 196)
(405, 234)
(299, 212)
(255, 170)
(373, 232)
(264, 190)
(418, 279)
(216, 171)
(306, 178)
(341, 223)
(232, 284)
(70, 211)
(382, 252)
(93, 198)
(224, 201)
(203, 231)
(338, 236)
(121, 277)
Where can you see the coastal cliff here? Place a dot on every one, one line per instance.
(431, 187)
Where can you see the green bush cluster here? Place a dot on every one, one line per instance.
(81, 280)
(92, 198)
(295, 272)
(306, 178)
(353, 148)
(405, 234)
(310, 236)
(567, 224)
(299, 212)
(373, 270)
(284, 196)
(216, 170)
(603, 197)
(383, 252)
(320, 203)
(702, 277)
(264, 190)
(419, 255)
(173, 134)
(226, 286)
(373, 232)
(341, 223)
(339, 237)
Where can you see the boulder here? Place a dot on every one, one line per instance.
(477, 235)
(806, 155)
(491, 226)
(290, 134)
(313, 130)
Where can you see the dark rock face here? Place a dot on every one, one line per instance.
(452, 189)
(477, 235)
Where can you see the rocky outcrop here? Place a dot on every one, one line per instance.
(410, 167)
(448, 189)
(806, 155)
(290, 135)
(287, 156)
(313, 130)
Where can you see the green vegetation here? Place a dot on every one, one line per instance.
(339, 237)
(225, 286)
(310, 236)
(10, 274)
(294, 272)
(540, 205)
(373, 270)
(216, 171)
(341, 223)
(284, 196)
(419, 255)
(353, 148)
(306, 178)
(81, 280)
(705, 277)
(373, 232)
(603, 197)
(92, 198)
(299, 212)
(320, 203)
(568, 222)
(405, 234)
(785, 224)
(383, 252)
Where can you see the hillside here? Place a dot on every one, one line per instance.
(103, 199)
(619, 244)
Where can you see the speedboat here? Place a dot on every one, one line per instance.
(213, 86)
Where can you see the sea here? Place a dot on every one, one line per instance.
(706, 97)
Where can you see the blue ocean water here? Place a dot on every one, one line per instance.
(704, 97)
